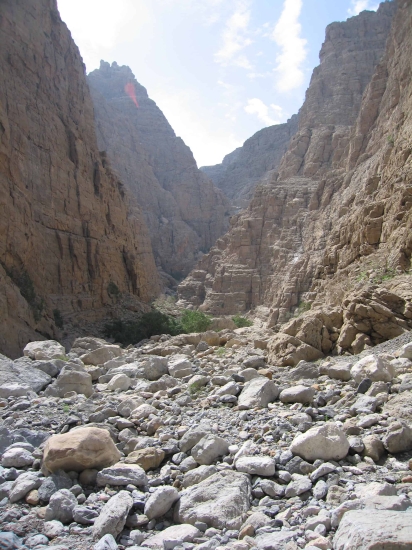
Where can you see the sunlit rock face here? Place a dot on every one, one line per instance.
(67, 229)
(337, 211)
(184, 211)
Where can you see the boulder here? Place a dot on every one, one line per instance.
(61, 506)
(119, 382)
(148, 458)
(376, 368)
(17, 457)
(373, 529)
(80, 449)
(258, 392)
(176, 535)
(256, 465)
(278, 540)
(304, 370)
(400, 407)
(154, 367)
(193, 477)
(179, 366)
(326, 442)
(297, 394)
(122, 474)
(106, 543)
(209, 448)
(398, 438)
(220, 501)
(254, 362)
(21, 373)
(101, 355)
(25, 483)
(113, 516)
(14, 389)
(160, 502)
(193, 436)
(340, 371)
(405, 351)
(72, 379)
(45, 349)
(373, 447)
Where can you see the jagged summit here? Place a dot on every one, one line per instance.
(185, 213)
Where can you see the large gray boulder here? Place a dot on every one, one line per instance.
(45, 349)
(370, 529)
(160, 502)
(326, 442)
(113, 516)
(209, 448)
(258, 392)
(22, 373)
(220, 501)
(374, 367)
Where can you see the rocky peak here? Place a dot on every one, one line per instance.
(185, 213)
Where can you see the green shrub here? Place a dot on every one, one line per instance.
(113, 289)
(302, 307)
(149, 324)
(58, 319)
(241, 322)
(194, 321)
(23, 280)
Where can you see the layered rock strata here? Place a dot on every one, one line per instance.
(344, 189)
(242, 169)
(70, 245)
(184, 211)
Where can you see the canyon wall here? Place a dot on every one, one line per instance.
(184, 211)
(71, 246)
(242, 169)
(333, 223)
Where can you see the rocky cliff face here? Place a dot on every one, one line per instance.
(241, 170)
(334, 225)
(69, 241)
(185, 213)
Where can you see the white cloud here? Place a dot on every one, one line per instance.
(236, 37)
(97, 26)
(257, 107)
(360, 5)
(287, 35)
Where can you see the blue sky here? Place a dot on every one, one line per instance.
(220, 70)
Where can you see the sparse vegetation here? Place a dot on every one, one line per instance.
(113, 290)
(23, 280)
(63, 358)
(165, 304)
(194, 321)
(391, 140)
(301, 308)
(242, 322)
(221, 351)
(58, 319)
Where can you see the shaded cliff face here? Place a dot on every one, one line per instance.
(185, 213)
(242, 169)
(333, 226)
(66, 231)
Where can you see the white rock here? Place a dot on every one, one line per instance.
(24, 484)
(340, 371)
(193, 477)
(16, 457)
(367, 530)
(327, 442)
(119, 382)
(209, 448)
(14, 389)
(297, 394)
(193, 436)
(298, 487)
(161, 501)
(113, 516)
(45, 349)
(231, 388)
(256, 465)
(53, 528)
(405, 351)
(177, 533)
(101, 355)
(61, 506)
(179, 366)
(258, 392)
(154, 367)
(221, 501)
(374, 367)
(122, 474)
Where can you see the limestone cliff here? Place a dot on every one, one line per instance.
(69, 243)
(185, 213)
(242, 169)
(333, 228)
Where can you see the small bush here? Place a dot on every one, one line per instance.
(58, 319)
(302, 307)
(113, 289)
(241, 322)
(194, 321)
(149, 324)
(221, 351)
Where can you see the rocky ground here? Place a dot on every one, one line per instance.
(196, 441)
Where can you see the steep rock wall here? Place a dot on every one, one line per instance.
(242, 169)
(184, 211)
(66, 230)
(350, 218)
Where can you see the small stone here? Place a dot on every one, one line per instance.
(256, 465)
(113, 516)
(160, 502)
(61, 506)
(53, 529)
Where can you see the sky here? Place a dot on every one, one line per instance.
(220, 70)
